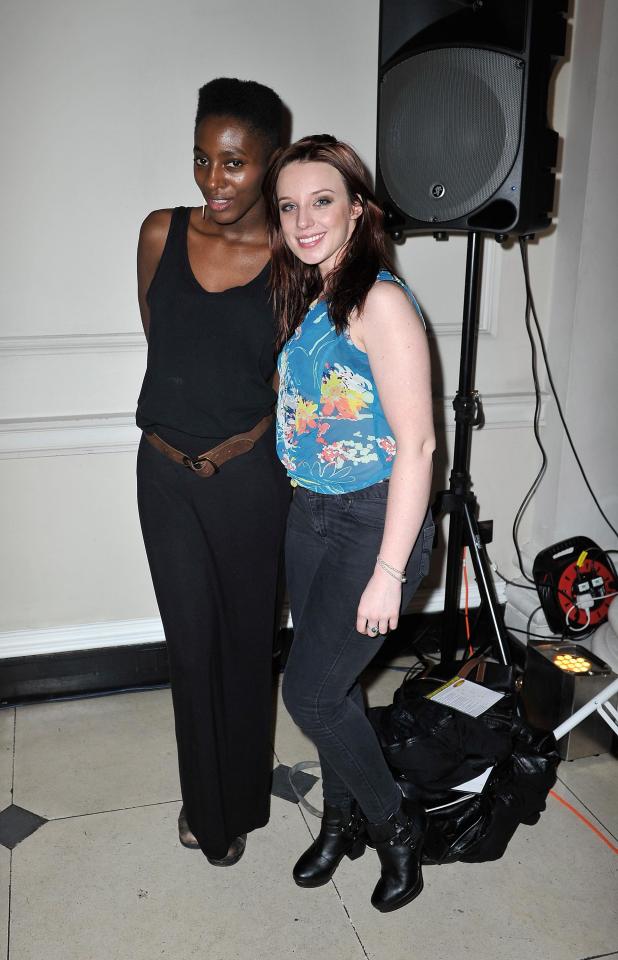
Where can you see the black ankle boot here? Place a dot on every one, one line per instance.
(339, 836)
(399, 845)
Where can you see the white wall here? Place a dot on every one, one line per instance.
(97, 130)
(591, 388)
(582, 332)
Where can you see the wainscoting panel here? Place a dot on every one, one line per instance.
(117, 433)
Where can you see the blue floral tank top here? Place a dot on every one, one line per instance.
(332, 434)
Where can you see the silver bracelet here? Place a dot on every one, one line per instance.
(393, 571)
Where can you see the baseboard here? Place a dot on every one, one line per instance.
(130, 633)
(80, 636)
(82, 673)
(87, 673)
(86, 659)
(432, 601)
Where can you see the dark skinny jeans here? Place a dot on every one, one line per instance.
(331, 546)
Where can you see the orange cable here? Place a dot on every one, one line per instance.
(467, 597)
(591, 826)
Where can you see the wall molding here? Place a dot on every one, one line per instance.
(55, 345)
(68, 436)
(60, 345)
(491, 277)
(122, 633)
(116, 432)
(501, 410)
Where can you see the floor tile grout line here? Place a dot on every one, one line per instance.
(592, 814)
(96, 813)
(347, 913)
(302, 813)
(341, 901)
(602, 956)
(137, 806)
(8, 925)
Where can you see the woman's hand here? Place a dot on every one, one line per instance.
(379, 605)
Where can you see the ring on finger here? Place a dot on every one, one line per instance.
(372, 630)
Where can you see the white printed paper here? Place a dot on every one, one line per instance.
(465, 696)
(476, 784)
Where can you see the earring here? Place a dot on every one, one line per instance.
(204, 210)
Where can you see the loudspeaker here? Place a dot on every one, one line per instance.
(463, 140)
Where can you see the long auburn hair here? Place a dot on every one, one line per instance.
(294, 284)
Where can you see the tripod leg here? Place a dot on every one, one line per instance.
(486, 583)
(448, 651)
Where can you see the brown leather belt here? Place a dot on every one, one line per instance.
(207, 464)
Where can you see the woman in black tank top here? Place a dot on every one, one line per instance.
(213, 524)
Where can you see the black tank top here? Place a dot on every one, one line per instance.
(210, 355)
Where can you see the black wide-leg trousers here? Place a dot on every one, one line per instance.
(214, 549)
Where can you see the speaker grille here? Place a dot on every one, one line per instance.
(449, 130)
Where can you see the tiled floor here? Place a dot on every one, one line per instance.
(105, 876)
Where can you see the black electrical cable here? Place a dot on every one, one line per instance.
(414, 671)
(535, 424)
(540, 635)
(530, 302)
(523, 586)
(599, 550)
(530, 619)
(512, 583)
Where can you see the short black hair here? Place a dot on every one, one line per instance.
(246, 100)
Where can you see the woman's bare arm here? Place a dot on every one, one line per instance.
(394, 338)
(152, 237)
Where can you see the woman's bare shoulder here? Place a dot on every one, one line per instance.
(154, 230)
(387, 299)
(152, 238)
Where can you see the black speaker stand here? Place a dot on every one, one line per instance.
(458, 501)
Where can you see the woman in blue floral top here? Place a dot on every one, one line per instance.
(355, 433)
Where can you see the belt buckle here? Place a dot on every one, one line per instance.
(197, 464)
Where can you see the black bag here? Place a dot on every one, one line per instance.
(431, 748)
(479, 827)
